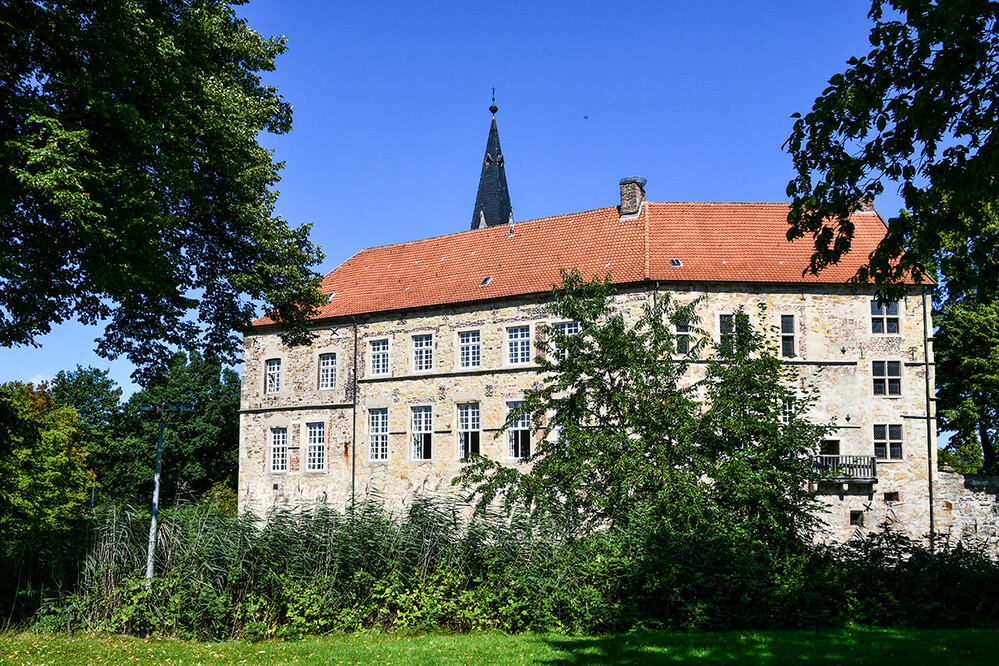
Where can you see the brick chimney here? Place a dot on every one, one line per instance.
(632, 196)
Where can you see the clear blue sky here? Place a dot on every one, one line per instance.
(390, 113)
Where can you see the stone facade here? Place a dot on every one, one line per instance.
(834, 350)
(967, 510)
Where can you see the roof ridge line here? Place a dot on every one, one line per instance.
(648, 271)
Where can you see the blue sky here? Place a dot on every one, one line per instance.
(390, 114)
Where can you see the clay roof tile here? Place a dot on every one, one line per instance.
(715, 242)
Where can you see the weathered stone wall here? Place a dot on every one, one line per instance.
(967, 510)
(834, 350)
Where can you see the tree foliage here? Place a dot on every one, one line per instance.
(133, 189)
(967, 357)
(200, 448)
(919, 110)
(628, 429)
(91, 392)
(43, 474)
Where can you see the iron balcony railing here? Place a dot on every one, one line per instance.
(847, 468)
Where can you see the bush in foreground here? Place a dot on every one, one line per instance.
(221, 576)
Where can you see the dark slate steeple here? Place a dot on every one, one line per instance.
(492, 203)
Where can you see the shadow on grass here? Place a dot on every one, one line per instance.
(849, 647)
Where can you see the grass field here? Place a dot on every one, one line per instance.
(849, 647)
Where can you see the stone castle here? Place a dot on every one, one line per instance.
(424, 346)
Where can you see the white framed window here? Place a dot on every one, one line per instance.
(884, 318)
(519, 434)
(272, 383)
(787, 336)
(379, 357)
(422, 430)
(887, 377)
(888, 441)
(787, 408)
(518, 345)
(566, 328)
(469, 349)
(469, 428)
(423, 353)
(327, 371)
(315, 454)
(683, 336)
(378, 434)
(279, 449)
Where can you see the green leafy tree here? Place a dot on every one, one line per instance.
(43, 474)
(200, 448)
(95, 397)
(627, 431)
(133, 189)
(91, 392)
(919, 110)
(614, 416)
(754, 443)
(97, 401)
(967, 357)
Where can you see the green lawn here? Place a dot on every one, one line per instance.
(849, 647)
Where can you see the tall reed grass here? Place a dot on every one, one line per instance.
(221, 576)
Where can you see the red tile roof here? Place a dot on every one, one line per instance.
(715, 242)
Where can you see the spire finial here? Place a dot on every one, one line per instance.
(492, 202)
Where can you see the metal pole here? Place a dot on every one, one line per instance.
(162, 408)
(156, 506)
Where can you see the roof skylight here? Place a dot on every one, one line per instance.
(486, 280)
(676, 263)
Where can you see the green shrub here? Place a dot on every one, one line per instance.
(224, 576)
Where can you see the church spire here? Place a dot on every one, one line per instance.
(492, 203)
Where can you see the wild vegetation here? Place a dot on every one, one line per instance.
(222, 576)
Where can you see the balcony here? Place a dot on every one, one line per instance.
(847, 469)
